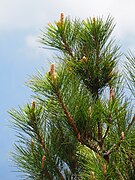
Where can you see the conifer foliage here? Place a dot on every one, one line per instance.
(81, 124)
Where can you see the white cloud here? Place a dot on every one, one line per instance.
(33, 14)
(31, 41)
(16, 14)
(33, 50)
(31, 47)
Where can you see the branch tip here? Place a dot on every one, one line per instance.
(122, 136)
(32, 142)
(84, 59)
(105, 168)
(43, 161)
(94, 20)
(93, 175)
(52, 71)
(111, 94)
(62, 18)
(33, 104)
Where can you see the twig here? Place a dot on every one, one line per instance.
(132, 122)
(111, 93)
(69, 117)
(67, 48)
(46, 173)
(92, 146)
(114, 147)
(41, 140)
(100, 132)
(106, 132)
(64, 43)
(73, 125)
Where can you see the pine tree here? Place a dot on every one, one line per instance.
(81, 124)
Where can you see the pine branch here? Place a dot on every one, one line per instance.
(92, 146)
(113, 148)
(60, 24)
(69, 117)
(41, 141)
(67, 48)
(73, 125)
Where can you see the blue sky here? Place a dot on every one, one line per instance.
(20, 55)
